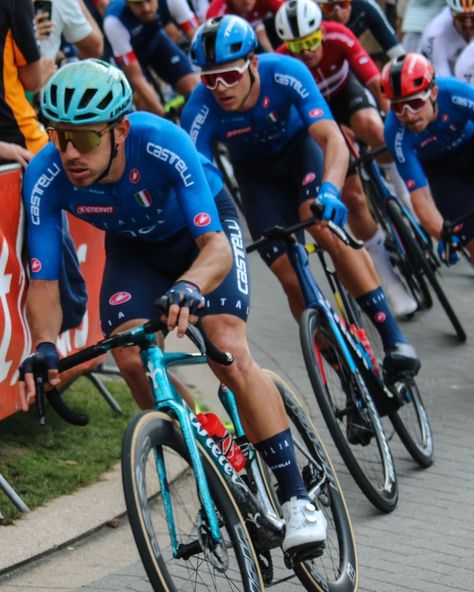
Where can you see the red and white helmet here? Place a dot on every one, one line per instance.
(406, 75)
(461, 6)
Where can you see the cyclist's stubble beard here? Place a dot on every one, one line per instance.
(91, 158)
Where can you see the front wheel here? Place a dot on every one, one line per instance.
(188, 560)
(345, 402)
(422, 263)
(336, 570)
(412, 424)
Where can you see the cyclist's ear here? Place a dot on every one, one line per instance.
(434, 92)
(122, 130)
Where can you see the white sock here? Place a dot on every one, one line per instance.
(398, 183)
(376, 248)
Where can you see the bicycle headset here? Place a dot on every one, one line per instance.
(298, 18)
(87, 92)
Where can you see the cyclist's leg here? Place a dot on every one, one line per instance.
(260, 407)
(126, 301)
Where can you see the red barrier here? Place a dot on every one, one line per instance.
(15, 339)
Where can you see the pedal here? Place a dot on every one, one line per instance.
(303, 553)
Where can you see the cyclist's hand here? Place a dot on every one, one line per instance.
(184, 301)
(333, 209)
(448, 250)
(27, 382)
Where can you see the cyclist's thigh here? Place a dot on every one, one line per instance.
(169, 61)
(351, 99)
(232, 296)
(137, 273)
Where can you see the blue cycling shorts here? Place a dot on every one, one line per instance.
(273, 187)
(451, 180)
(138, 272)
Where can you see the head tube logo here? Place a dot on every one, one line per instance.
(202, 219)
(315, 113)
(120, 298)
(36, 265)
(134, 176)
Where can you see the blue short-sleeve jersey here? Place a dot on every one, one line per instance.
(289, 101)
(453, 127)
(166, 186)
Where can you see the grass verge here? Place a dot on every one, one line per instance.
(45, 463)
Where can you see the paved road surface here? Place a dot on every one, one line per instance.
(426, 545)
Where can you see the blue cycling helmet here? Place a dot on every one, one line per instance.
(89, 91)
(222, 39)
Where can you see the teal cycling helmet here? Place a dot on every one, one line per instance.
(222, 39)
(85, 92)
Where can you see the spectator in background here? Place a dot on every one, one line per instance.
(140, 45)
(253, 11)
(417, 15)
(71, 20)
(21, 134)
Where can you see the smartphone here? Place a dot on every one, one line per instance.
(43, 6)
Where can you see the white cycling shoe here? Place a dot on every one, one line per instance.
(305, 525)
(400, 300)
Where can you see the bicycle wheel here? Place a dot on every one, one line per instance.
(223, 163)
(342, 394)
(421, 262)
(336, 570)
(232, 565)
(412, 424)
(413, 279)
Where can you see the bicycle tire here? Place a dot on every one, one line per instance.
(152, 430)
(337, 569)
(406, 234)
(372, 465)
(412, 424)
(223, 163)
(415, 281)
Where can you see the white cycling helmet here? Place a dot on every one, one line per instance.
(461, 6)
(297, 18)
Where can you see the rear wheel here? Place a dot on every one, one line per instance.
(336, 569)
(422, 262)
(343, 397)
(193, 561)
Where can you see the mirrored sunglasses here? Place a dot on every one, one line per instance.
(228, 77)
(308, 43)
(83, 140)
(330, 8)
(414, 104)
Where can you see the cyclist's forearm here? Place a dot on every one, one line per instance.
(427, 212)
(336, 153)
(145, 97)
(213, 262)
(43, 306)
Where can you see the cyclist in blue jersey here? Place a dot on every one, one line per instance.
(172, 229)
(430, 133)
(286, 150)
(140, 44)
(364, 15)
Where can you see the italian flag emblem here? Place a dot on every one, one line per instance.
(143, 198)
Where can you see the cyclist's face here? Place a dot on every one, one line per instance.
(232, 98)
(337, 11)
(82, 169)
(311, 58)
(145, 10)
(464, 24)
(419, 121)
(243, 7)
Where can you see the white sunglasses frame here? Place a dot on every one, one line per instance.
(221, 71)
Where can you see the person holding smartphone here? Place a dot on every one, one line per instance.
(70, 19)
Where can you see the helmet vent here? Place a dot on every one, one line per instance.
(54, 94)
(87, 97)
(106, 100)
(235, 46)
(418, 81)
(68, 93)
